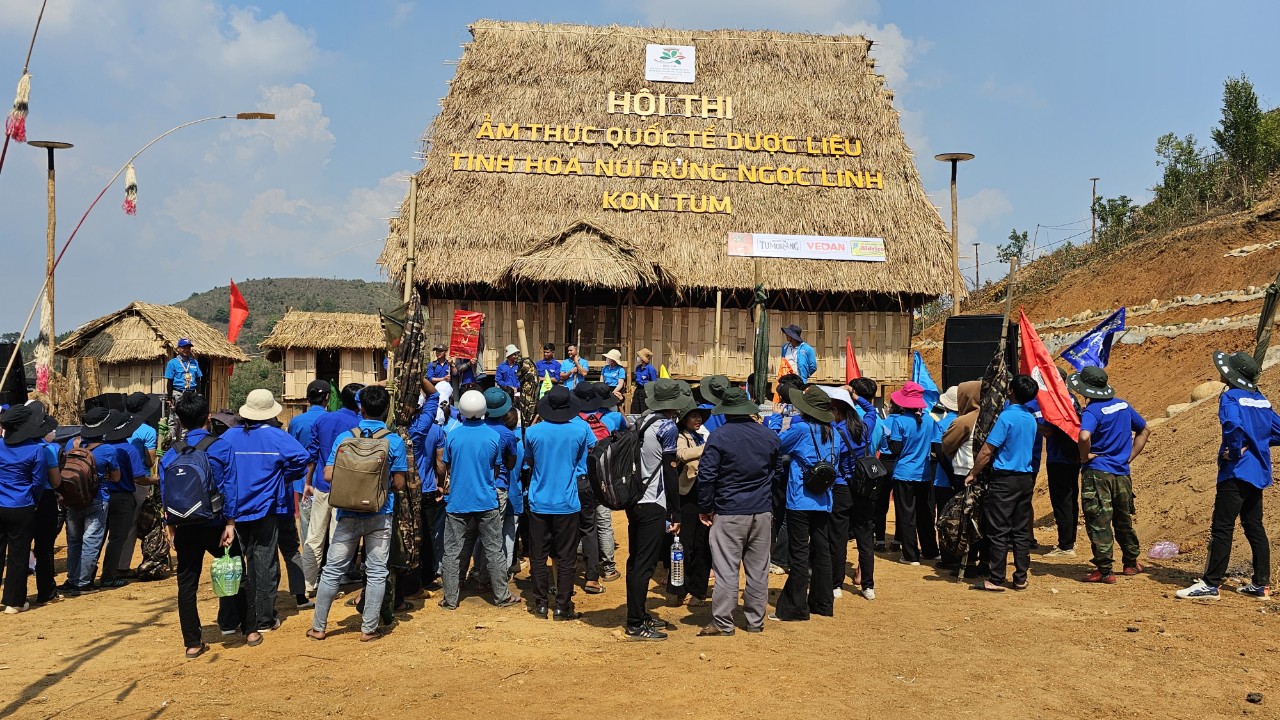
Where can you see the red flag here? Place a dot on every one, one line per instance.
(464, 340)
(851, 370)
(1055, 401)
(239, 313)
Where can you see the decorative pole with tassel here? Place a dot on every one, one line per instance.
(15, 126)
(130, 191)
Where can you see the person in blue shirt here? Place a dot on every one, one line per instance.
(1250, 428)
(866, 511)
(183, 370)
(507, 375)
(613, 420)
(23, 474)
(945, 486)
(46, 524)
(87, 526)
(122, 500)
(557, 448)
(144, 409)
(268, 460)
(473, 454)
(614, 374)
(909, 435)
(589, 404)
(439, 370)
(192, 542)
(320, 527)
(781, 418)
(499, 411)
(801, 355)
(865, 390)
(301, 428)
(548, 366)
(740, 464)
(574, 368)
(645, 374)
(1062, 467)
(372, 528)
(1112, 434)
(1006, 507)
(428, 452)
(849, 427)
(809, 440)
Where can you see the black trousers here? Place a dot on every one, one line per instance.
(429, 552)
(588, 531)
(645, 530)
(258, 539)
(555, 536)
(942, 496)
(122, 511)
(1237, 499)
(1064, 495)
(696, 539)
(882, 500)
(862, 524)
(15, 544)
(44, 533)
(1007, 519)
(841, 522)
(191, 542)
(913, 515)
(808, 587)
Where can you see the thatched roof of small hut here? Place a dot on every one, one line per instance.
(144, 332)
(496, 228)
(326, 331)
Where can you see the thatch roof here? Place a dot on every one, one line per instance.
(492, 228)
(326, 331)
(143, 332)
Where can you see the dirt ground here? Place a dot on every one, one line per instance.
(928, 646)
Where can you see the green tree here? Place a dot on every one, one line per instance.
(257, 373)
(1115, 219)
(1185, 183)
(1015, 248)
(1239, 134)
(1270, 130)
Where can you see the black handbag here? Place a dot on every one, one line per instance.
(869, 474)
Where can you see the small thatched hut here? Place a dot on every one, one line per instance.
(341, 348)
(564, 188)
(127, 350)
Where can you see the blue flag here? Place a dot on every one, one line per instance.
(1095, 347)
(920, 374)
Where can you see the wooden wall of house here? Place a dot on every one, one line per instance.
(354, 366)
(149, 378)
(684, 338)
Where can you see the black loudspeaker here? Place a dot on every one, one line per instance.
(14, 391)
(968, 345)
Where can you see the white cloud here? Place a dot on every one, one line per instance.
(893, 51)
(978, 213)
(401, 12)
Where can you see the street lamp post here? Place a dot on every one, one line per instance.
(955, 159)
(44, 352)
(48, 278)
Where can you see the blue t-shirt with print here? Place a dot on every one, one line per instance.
(1111, 424)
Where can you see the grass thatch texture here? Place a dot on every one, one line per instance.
(473, 225)
(326, 331)
(143, 332)
(583, 255)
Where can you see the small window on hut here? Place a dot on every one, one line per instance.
(328, 365)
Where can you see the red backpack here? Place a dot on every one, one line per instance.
(597, 427)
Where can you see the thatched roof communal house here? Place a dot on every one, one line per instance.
(126, 352)
(564, 188)
(340, 348)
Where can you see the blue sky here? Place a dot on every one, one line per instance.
(1046, 95)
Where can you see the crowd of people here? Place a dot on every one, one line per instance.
(467, 492)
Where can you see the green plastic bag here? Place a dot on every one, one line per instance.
(225, 574)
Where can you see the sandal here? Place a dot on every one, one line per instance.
(592, 587)
(695, 602)
(313, 634)
(251, 642)
(198, 651)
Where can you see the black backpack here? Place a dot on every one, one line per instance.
(613, 466)
(820, 476)
(191, 494)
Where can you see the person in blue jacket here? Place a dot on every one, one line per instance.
(302, 427)
(23, 474)
(87, 526)
(910, 438)
(801, 355)
(122, 503)
(428, 449)
(848, 426)
(1250, 428)
(809, 440)
(500, 415)
(268, 460)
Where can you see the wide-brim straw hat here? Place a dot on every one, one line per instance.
(260, 405)
(1092, 383)
(1239, 370)
(645, 354)
(667, 394)
(812, 402)
(735, 402)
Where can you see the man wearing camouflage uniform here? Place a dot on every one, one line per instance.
(1112, 434)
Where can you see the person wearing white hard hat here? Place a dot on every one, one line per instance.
(468, 474)
(268, 460)
(507, 376)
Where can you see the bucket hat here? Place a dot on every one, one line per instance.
(735, 402)
(614, 355)
(793, 331)
(143, 406)
(910, 397)
(122, 429)
(497, 402)
(1239, 370)
(585, 398)
(1091, 382)
(607, 398)
(951, 399)
(260, 405)
(693, 407)
(24, 422)
(667, 394)
(812, 402)
(712, 388)
(98, 422)
(556, 405)
(645, 354)
(839, 393)
(512, 350)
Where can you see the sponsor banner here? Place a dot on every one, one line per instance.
(669, 63)
(806, 247)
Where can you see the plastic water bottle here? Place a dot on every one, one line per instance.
(677, 563)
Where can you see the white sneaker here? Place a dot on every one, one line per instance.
(869, 593)
(1059, 552)
(1198, 591)
(837, 593)
(776, 570)
(13, 610)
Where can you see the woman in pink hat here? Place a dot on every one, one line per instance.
(910, 437)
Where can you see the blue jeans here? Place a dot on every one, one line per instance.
(86, 529)
(376, 532)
